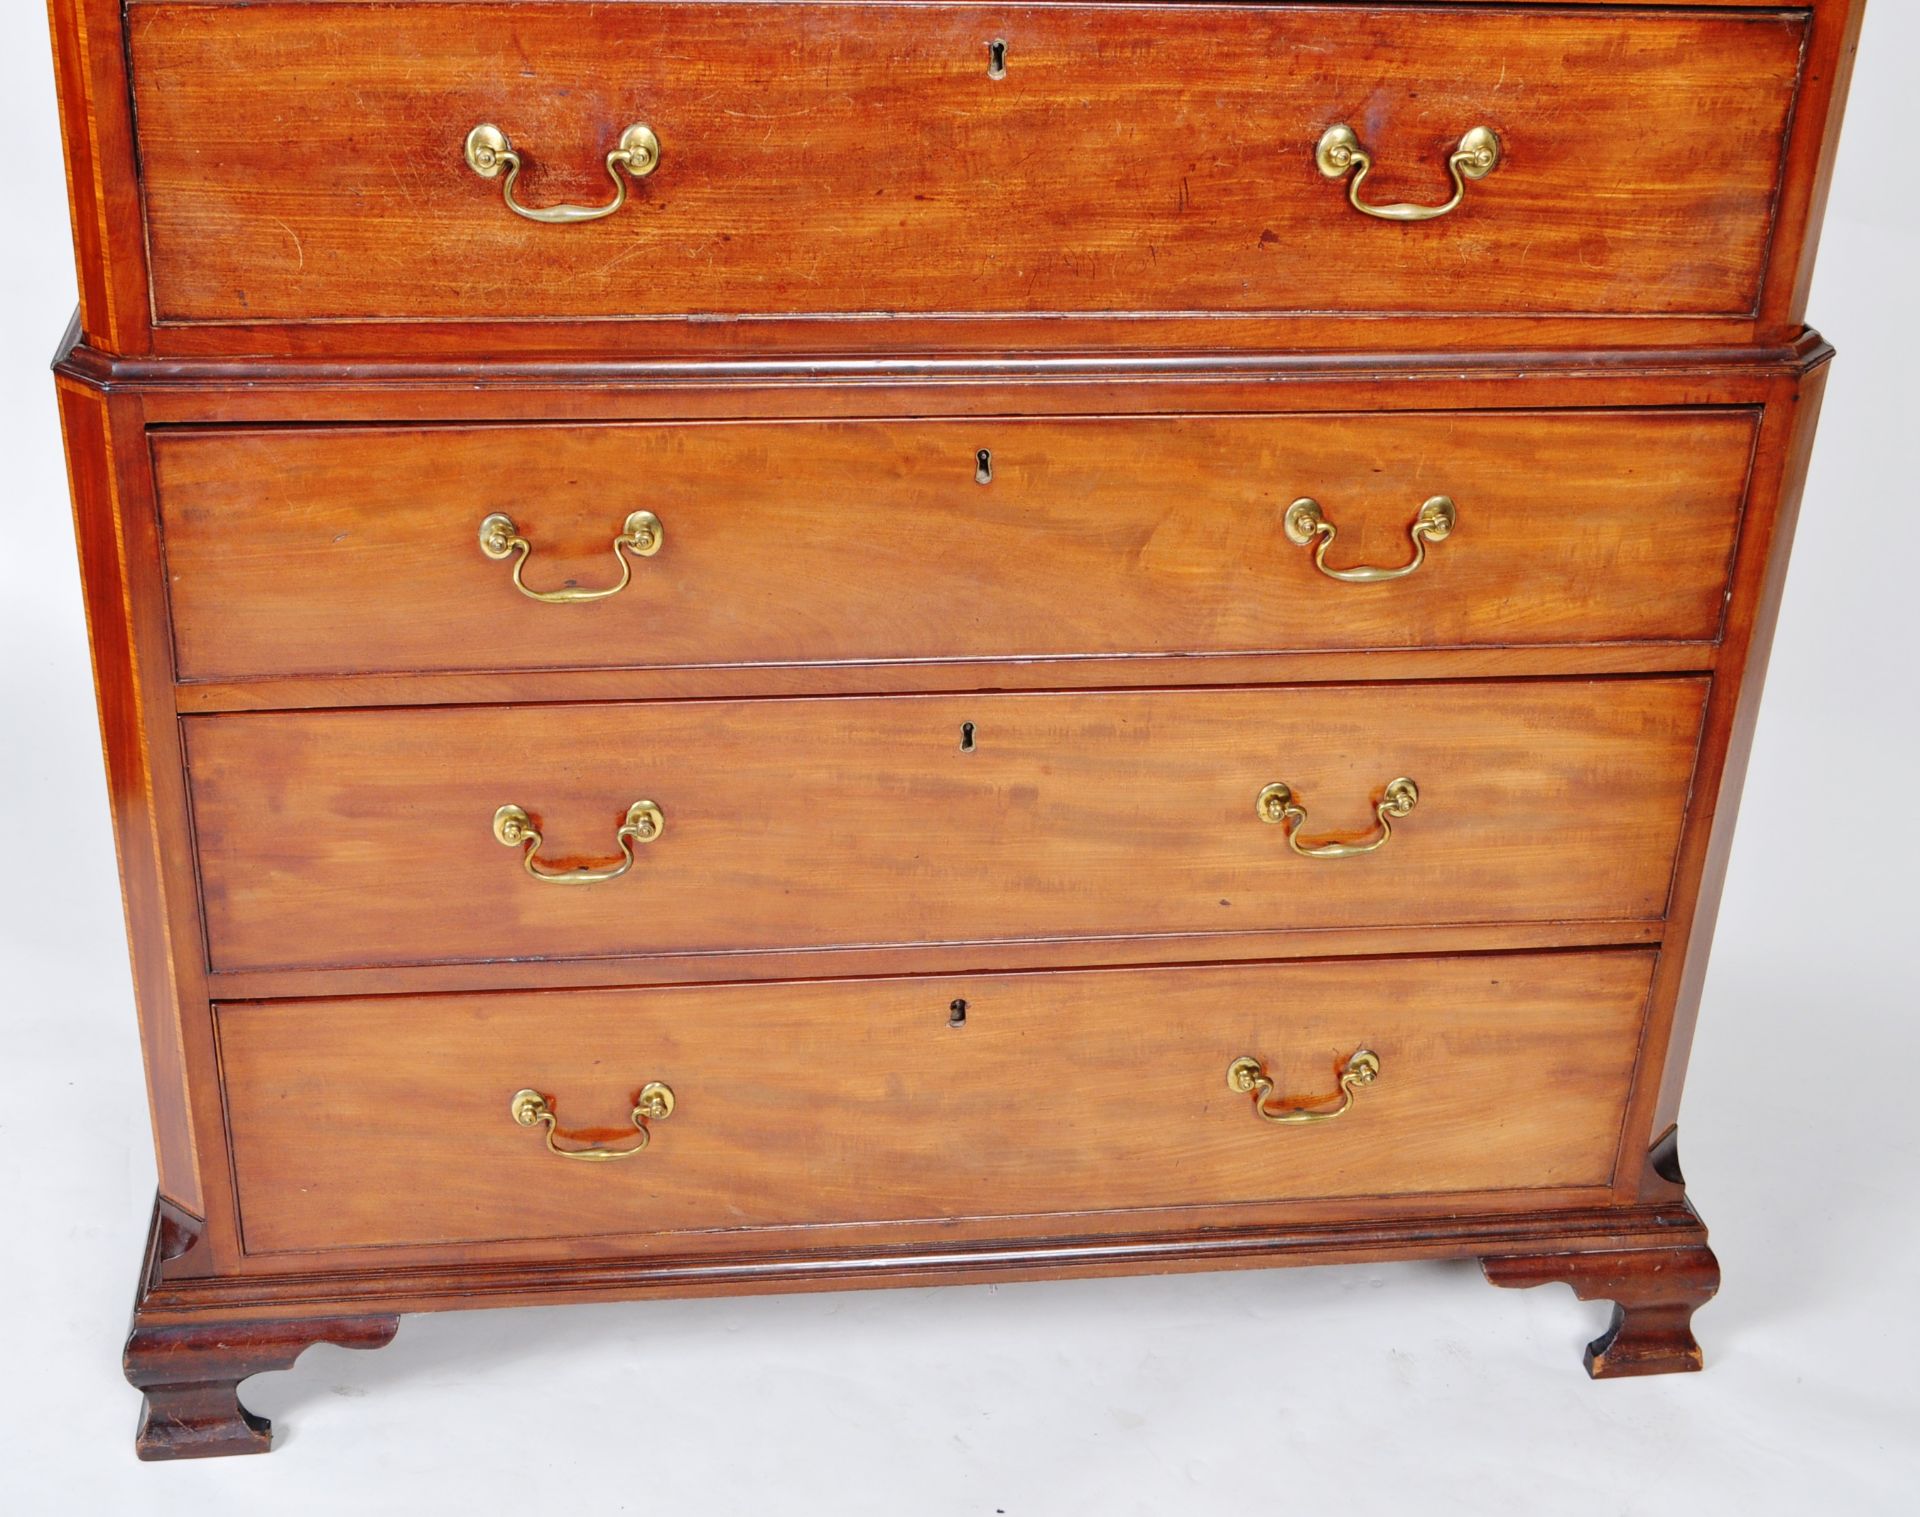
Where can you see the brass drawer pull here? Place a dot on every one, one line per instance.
(655, 1104)
(1306, 525)
(515, 828)
(1340, 153)
(1248, 1076)
(641, 535)
(489, 151)
(1278, 808)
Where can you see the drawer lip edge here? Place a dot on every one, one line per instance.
(237, 986)
(897, 365)
(267, 695)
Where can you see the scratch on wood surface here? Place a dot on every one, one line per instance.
(298, 246)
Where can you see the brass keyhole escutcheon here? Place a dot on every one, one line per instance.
(997, 58)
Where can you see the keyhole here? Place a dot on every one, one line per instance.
(966, 737)
(997, 59)
(983, 467)
(957, 1014)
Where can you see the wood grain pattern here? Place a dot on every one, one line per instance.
(1149, 159)
(318, 552)
(1826, 76)
(103, 190)
(365, 837)
(114, 538)
(840, 1102)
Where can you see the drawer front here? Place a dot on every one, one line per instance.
(307, 161)
(386, 1122)
(358, 549)
(368, 837)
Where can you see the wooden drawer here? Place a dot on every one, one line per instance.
(301, 551)
(367, 838)
(361, 1123)
(305, 161)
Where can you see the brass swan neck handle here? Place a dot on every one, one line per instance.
(513, 827)
(640, 535)
(1340, 154)
(654, 1104)
(1248, 1076)
(1278, 807)
(489, 153)
(1306, 526)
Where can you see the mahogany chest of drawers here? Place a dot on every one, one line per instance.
(773, 646)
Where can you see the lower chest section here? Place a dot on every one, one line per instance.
(955, 822)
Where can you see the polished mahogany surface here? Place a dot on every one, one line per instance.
(807, 542)
(932, 819)
(986, 454)
(1130, 159)
(1038, 1097)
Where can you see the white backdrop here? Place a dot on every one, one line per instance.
(1411, 1388)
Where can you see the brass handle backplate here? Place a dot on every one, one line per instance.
(654, 1104)
(513, 827)
(1248, 1076)
(1340, 154)
(1306, 524)
(1278, 807)
(640, 534)
(489, 153)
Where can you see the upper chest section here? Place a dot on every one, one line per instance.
(335, 176)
